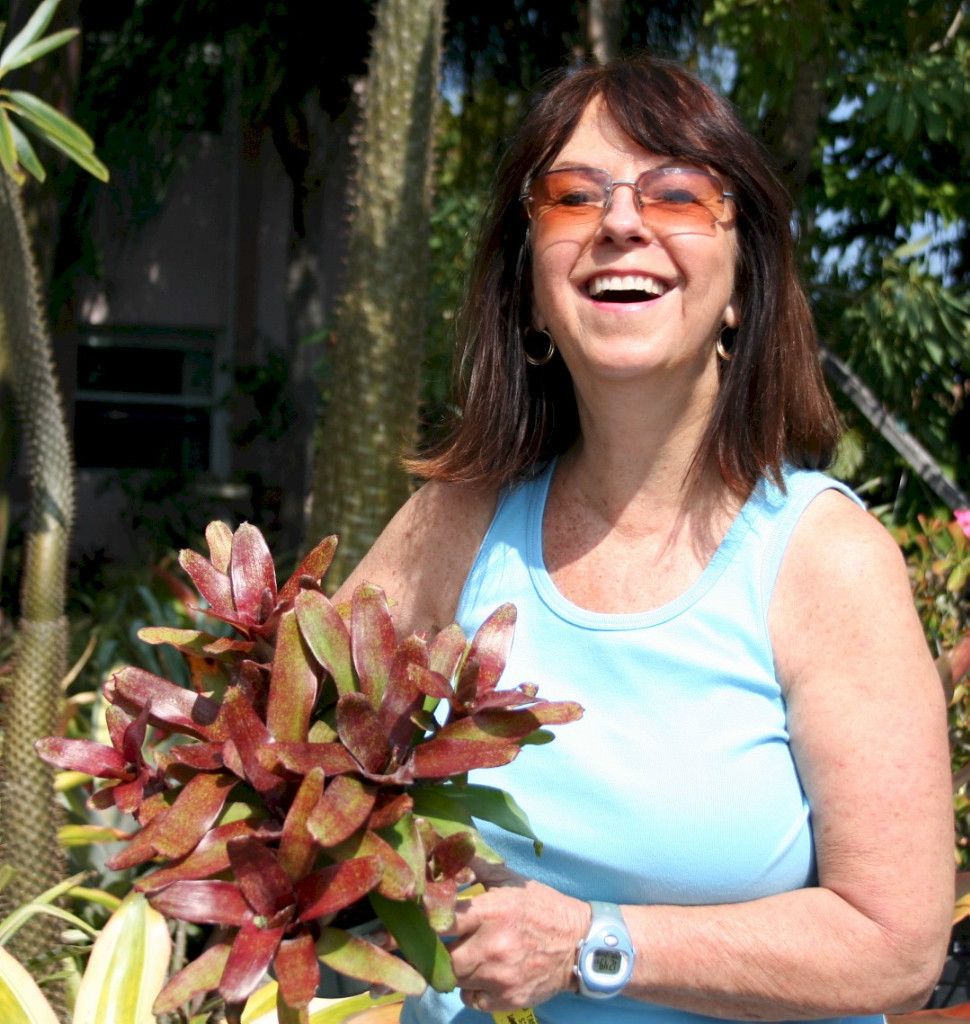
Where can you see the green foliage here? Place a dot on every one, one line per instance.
(864, 105)
(17, 155)
(938, 557)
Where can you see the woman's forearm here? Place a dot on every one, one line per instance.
(798, 955)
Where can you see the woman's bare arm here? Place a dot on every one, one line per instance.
(422, 557)
(867, 722)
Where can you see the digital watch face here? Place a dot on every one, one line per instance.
(605, 957)
(607, 961)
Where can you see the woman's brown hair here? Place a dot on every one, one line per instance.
(772, 405)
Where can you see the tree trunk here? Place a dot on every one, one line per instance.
(371, 409)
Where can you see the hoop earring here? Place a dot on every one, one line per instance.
(546, 357)
(722, 352)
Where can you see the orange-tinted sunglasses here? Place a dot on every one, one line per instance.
(670, 199)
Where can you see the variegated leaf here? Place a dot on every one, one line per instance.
(326, 636)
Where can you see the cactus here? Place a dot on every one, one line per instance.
(30, 699)
(371, 411)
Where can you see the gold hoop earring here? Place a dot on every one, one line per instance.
(546, 357)
(722, 352)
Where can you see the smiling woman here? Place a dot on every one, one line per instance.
(637, 468)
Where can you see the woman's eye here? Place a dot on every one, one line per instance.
(676, 197)
(577, 197)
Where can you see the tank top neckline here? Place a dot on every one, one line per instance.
(561, 606)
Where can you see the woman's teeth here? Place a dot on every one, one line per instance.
(625, 288)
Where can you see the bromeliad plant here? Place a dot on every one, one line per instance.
(306, 772)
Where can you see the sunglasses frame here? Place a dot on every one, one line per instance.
(610, 185)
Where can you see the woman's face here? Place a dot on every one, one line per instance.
(636, 290)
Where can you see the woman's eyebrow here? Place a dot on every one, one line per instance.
(670, 161)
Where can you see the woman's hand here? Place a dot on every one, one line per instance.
(516, 942)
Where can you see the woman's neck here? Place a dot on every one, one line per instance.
(636, 453)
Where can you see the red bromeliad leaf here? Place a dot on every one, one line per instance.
(249, 736)
(200, 976)
(82, 756)
(297, 969)
(490, 647)
(397, 880)
(389, 808)
(169, 706)
(127, 795)
(132, 735)
(466, 688)
(452, 855)
(521, 695)
(219, 538)
(188, 641)
(360, 959)
(431, 683)
(359, 727)
(213, 585)
(226, 645)
(196, 808)
(335, 887)
(438, 900)
(488, 726)
(251, 954)
(439, 758)
(345, 806)
(446, 650)
(313, 567)
(301, 758)
(298, 849)
(205, 757)
(293, 684)
(209, 858)
(252, 573)
(264, 883)
(209, 902)
(177, 830)
(326, 636)
(151, 807)
(402, 698)
(373, 640)
(117, 722)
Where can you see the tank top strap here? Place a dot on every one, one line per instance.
(779, 511)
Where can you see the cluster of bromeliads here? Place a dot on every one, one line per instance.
(306, 771)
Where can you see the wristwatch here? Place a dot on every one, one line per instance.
(604, 959)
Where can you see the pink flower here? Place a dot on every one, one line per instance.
(962, 516)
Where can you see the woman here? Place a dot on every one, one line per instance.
(756, 800)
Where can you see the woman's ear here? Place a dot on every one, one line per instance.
(731, 318)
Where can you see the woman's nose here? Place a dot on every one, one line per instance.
(622, 218)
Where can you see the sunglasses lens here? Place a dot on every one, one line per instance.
(562, 198)
(674, 199)
(679, 198)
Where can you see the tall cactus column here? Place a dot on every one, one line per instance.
(27, 806)
(372, 408)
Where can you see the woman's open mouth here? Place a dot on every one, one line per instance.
(625, 288)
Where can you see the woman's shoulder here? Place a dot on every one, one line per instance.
(425, 552)
(843, 582)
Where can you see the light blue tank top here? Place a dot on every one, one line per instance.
(678, 785)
